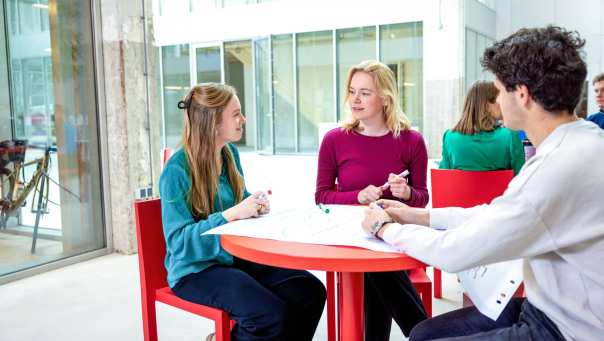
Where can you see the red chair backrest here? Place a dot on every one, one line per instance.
(151, 245)
(458, 188)
(166, 155)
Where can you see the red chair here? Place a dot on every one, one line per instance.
(154, 287)
(423, 286)
(166, 155)
(457, 188)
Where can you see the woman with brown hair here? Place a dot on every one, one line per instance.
(202, 187)
(367, 156)
(478, 142)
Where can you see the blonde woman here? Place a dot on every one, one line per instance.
(202, 187)
(478, 142)
(366, 156)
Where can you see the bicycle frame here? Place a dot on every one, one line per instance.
(16, 197)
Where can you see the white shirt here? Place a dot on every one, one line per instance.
(551, 215)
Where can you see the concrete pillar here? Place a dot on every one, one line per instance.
(133, 123)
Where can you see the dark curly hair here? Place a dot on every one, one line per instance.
(548, 61)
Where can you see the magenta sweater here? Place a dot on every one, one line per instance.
(357, 161)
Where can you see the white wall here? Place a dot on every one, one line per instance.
(243, 22)
(584, 16)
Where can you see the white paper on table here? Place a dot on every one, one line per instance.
(491, 287)
(341, 226)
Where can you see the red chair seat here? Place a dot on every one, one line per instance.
(165, 295)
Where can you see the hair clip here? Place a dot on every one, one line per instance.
(183, 105)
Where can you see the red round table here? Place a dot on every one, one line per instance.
(349, 262)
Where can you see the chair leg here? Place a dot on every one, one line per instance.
(331, 306)
(427, 300)
(149, 319)
(223, 328)
(438, 283)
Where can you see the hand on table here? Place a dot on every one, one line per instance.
(374, 214)
(251, 206)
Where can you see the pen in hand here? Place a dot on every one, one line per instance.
(264, 196)
(404, 174)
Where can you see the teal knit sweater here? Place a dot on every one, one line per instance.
(186, 250)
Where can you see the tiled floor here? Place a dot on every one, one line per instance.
(100, 300)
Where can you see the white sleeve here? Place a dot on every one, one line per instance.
(509, 228)
(451, 217)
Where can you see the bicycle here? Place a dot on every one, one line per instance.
(14, 188)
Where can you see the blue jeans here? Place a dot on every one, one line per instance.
(520, 320)
(268, 303)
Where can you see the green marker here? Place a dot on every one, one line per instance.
(323, 208)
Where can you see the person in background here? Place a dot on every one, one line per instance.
(550, 216)
(477, 142)
(202, 187)
(598, 83)
(361, 162)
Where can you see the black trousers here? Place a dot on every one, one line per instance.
(390, 295)
(264, 300)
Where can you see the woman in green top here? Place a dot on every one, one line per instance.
(202, 187)
(478, 142)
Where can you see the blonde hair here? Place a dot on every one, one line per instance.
(384, 81)
(476, 116)
(204, 106)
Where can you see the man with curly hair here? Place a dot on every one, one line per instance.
(550, 215)
(598, 83)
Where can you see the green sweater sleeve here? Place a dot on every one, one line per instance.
(516, 152)
(181, 231)
(445, 162)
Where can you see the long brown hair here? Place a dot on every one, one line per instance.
(204, 106)
(476, 116)
(384, 81)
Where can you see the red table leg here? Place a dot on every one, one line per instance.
(351, 321)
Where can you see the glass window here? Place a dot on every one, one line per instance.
(53, 107)
(238, 70)
(401, 48)
(283, 93)
(315, 86)
(208, 64)
(176, 84)
(5, 113)
(470, 66)
(263, 96)
(353, 46)
(476, 43)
